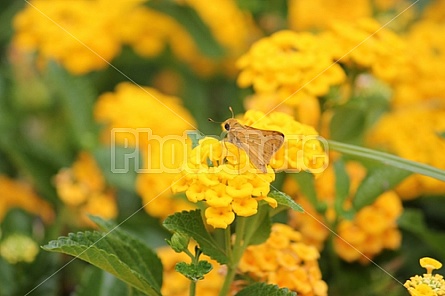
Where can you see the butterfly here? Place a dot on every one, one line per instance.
(260, 145)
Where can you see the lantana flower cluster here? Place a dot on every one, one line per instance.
(420, 81)
(136, 117)
(415, 128)
(286, 261)
(372, 229)
(64, 32)
(82, 36)
(427, 284)
(289, 68)
(20, 194)
(83, 189)
(221, 174)
(365, 44)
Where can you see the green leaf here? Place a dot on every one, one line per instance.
(179, 242)
(7, 284)
(263, 289)
(306, 184)
(341, 186)
(377, 181)
(388, 159)
(413, 221)
(347, 123)
(77, 95)
(118, 257)
(39, 166)
(194, 272)
(191, 21)
(191, 224)
(98, 282)
(285, 200)
(152, 259)
(119, 165)
(260, 226)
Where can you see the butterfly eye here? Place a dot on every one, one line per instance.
(227, 126)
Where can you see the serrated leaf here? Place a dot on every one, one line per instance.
(151, 258)
(194, 272)
(111, 254)
(191, 223)
(375, 183)
(285, 200)
(263, 289)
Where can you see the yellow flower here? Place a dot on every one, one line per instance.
(239, 187)
(285, 261)
(416, 127)
(245, 207)
(17, 194)
(304, 15)
(220, 174)
(18, 248)
(290, 68)
(377, 229)
(427, 284)
(139, 116)
(81, 35)
(421, 81)
(430, 264)
(83, 188)
(220, 217)
(364, 44)
(147, 31)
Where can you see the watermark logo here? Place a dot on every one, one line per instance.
(139, 150)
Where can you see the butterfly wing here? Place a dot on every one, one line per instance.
(259, 144)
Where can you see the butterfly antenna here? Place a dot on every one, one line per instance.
(211, 120)
(231, 111)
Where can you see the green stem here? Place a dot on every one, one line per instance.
(192, 288)
(236, 253)
(228, 242)
(193, 257)
(333, 257)
(195, 260)
(388, 159)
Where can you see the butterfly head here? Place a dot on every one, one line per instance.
(230, 124)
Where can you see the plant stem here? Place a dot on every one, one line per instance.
(228, 242)
(192, 288)
(235, 255)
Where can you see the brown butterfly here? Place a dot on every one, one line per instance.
(259, 144)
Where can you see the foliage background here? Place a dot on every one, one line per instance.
(47, 117)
